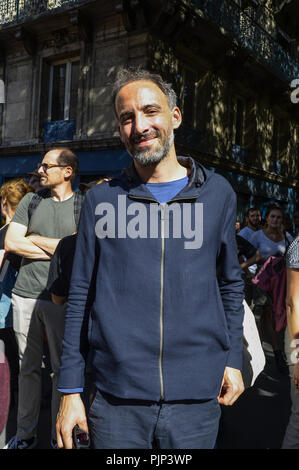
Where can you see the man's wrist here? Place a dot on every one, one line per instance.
(71, 395)
(70, 391)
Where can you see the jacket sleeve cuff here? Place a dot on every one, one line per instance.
(235, 360)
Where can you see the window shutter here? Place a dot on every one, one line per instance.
(284, 139)
(44, 99)
(250, 129)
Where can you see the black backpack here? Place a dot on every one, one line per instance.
(45, 193)
(42, 194)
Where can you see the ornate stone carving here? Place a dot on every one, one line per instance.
(59, 39)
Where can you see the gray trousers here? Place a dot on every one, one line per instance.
(31, 319)
(291, 437)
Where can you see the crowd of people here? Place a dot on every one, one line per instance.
(269, 239)
(74, 289)
(272, 290)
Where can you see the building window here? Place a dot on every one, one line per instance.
(275, 139)
(59, 99)
(239, 120)
(63, 90)
(239, 153)
(281, 148)
(275, 163)
(189, 98)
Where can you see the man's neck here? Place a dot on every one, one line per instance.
(169, 169)
(61, 192)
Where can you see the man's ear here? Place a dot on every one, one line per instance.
(176, 117)
(68, 171)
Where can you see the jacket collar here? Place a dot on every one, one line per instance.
(197, 178)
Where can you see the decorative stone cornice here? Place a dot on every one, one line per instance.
(27, 39)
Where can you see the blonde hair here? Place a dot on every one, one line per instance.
(14, 190)
(105, 178)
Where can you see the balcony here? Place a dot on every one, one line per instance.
(250, 35)
(17, 11)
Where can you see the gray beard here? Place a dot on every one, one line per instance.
(147, 158)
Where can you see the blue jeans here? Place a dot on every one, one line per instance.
(128, 424)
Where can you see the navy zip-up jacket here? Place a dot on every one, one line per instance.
(162, 284)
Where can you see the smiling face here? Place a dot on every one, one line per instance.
(145, 121)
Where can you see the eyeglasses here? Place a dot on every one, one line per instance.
(46, 166)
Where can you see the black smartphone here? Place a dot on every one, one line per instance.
(80, 438)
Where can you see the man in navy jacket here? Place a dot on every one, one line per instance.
(156, 273)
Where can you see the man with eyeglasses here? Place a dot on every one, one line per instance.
(34, 235)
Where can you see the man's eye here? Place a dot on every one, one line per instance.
(126, 120)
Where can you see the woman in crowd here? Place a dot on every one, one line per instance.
(11, 193)
(291, 438)
(271, 240)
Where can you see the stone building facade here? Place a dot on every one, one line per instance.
(232, 63)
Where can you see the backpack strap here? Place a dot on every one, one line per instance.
(45, 193)
(42, 194)
(4, 269)
(78, 201)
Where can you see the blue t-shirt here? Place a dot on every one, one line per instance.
(164, 192)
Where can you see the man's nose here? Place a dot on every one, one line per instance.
(141, 124)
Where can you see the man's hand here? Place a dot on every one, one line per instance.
(232, 386)
(71, 412)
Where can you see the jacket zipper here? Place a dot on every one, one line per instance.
(162, 298)
(162, 206)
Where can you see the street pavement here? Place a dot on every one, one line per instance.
(256, 421)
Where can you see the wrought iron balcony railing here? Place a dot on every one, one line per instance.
(251, 35)
(17, 11)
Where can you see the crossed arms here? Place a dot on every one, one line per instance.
(32, 246)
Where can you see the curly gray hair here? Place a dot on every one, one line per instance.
(128, 75)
